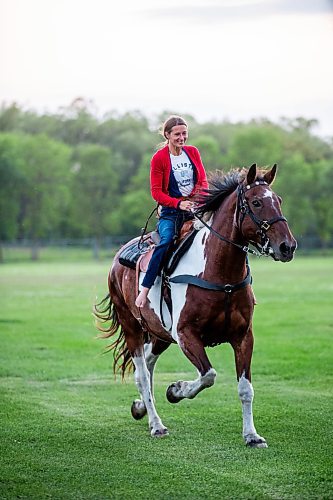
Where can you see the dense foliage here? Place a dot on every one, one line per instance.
(75, 175)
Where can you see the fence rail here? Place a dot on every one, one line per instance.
(89, 248)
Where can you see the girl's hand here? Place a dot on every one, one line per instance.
(186, 205)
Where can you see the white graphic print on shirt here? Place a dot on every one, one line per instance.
(183, 171)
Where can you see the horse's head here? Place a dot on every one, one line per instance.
(260, 218)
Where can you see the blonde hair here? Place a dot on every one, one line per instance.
(167, 126)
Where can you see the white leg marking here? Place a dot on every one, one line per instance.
(142, 379)
(149, 356)
(189, 389)
(246, 394)
(139, 406)
(150, 362)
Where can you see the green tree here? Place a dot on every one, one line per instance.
(295, 183)
(10, 186)
(94, 190)
(131, 215)
(209, 151)
(135, 204)
(44, 192)
(78, 123)
(262, 145)
(299, 138)
(322, 201)
(127, 142)
(10, 117)
(130, 138)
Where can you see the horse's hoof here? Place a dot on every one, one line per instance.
(160, 433)
(257, 443)
(171, 396)
(138, 409)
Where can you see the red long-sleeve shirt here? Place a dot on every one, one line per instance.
(160, 175)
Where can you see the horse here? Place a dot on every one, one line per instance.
(211, 294)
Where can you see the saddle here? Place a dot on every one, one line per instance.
(138, 254)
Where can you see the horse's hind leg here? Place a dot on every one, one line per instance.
(132, 332)
(135, 344)
(243, 356)
(142, 379)
(152, 351)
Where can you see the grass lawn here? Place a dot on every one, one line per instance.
(66, 429)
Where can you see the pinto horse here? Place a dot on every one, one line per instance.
(211, 295)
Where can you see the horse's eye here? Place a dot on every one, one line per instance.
(256, 203)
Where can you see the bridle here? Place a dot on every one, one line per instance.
(243, 209)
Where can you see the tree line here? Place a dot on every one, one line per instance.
(73, 174)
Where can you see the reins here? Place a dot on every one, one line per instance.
(244, 248)
(144, 229)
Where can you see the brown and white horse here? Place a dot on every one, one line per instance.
(212, 298)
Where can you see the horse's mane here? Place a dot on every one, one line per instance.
(220, 186)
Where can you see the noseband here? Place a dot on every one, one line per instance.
(243, 209)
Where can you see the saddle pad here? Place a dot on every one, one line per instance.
(130, 255)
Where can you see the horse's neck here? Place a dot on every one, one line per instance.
(225, 261)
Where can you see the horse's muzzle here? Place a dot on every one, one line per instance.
(285, 251)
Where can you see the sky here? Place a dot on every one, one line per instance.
(214, 59)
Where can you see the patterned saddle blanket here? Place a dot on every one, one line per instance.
(131, 253)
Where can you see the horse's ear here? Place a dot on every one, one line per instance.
(252, 174)
(270, 175)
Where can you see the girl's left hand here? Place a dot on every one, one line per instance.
(186, 205)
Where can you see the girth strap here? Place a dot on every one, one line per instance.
(201, 283)
(227, 289)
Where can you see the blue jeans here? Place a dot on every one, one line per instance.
(168, 225)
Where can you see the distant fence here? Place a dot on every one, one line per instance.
(61, 248)
(306, 242)
(109, 244)
(105, 242)
(312, 243)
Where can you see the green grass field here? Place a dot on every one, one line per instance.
(66, 429)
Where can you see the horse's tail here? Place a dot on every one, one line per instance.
(105, 312)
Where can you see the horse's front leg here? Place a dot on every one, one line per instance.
(243, 356)
(193, 349)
